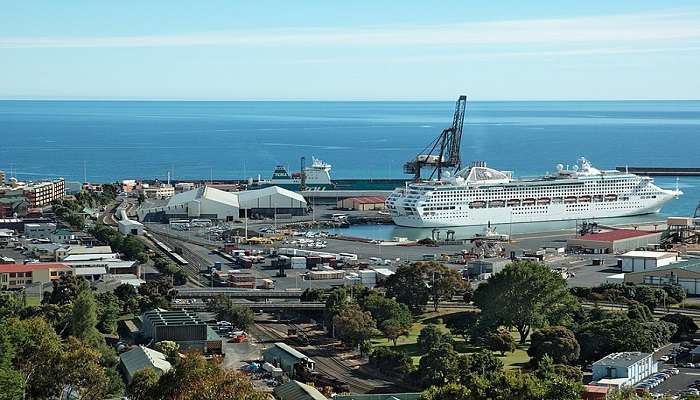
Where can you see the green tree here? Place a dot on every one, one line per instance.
(462, 324)
(143, 385)
(451, 391)
(524, 295)
(10, 305)
(408, 286)
(240, 316)
(65, 289)
(394, 329)
(108, 309)
(84, 318)
(81, 369)
(431, 336)
(675, 293)
(155, 294)
(169, 348)
(468, 293)
(439, 366)
(443, 281)
(387, 359)
(336, 300)
(639, 312)
(501, 341)
(313, 295)
(600, 338)
(483, 363)
(685, 325)
(354, 326)
(393, 318)
(557, 342)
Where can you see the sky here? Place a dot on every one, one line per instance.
(359, 50)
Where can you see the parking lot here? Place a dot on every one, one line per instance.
(686, 376)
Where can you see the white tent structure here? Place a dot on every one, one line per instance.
(210, 203)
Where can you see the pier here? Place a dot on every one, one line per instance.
(661, 171)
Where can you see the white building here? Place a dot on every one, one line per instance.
(623, 369)
(210, 203)
(130, 227)
(39, 230)
(637, 261)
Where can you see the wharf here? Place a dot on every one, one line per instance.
(661, 171)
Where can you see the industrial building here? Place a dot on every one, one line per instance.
(183, 327)
(287, 358)
(140, 358)
(623, 369)
(685, 274)
(130, 227)
(613, 241)
(635, 261)
(480, 267)
(366, 203)
(210, 203)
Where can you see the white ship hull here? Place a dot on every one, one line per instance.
(481, 195)
(524, 214)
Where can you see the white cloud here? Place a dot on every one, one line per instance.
(625, 28)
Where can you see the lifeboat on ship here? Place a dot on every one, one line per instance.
(477, 204)
(584, 199)
(610, 197)
(544, 201)
(513, 202)
(528, 202)
(497, 203)
(569, 199)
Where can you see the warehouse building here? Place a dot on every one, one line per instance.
(614, 241)
(366, 203)
(635, 261)
(180, 326)
(685, 274)
(140, 358)
(209, 203)
(287, 358)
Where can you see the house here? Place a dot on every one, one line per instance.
(623, 369)
(386, 396)
(140, 358)
(295, 390)
(39, 230)
(62, 235)
(287, 358)
(18, 276)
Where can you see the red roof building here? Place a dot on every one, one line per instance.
(17, 276)
(613, 241)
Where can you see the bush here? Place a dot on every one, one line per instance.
(431, 337)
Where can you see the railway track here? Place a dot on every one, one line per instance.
(327, 363)
(195, 263)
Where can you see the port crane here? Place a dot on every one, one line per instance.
(443, 152)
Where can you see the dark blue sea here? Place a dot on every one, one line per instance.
(146, 139)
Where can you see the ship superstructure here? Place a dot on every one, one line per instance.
(316, 177)
(479, 195)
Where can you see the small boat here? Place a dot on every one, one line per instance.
(497, 203)
(477, 204)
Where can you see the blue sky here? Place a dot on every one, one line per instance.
(404, 50)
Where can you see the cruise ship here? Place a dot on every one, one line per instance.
(317, 177)
(479, 195)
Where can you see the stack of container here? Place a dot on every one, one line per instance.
(298, 262)
(320, 275)
(368, 278)
(242, 280)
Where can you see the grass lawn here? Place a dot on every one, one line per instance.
(33, 301)
(409, 344)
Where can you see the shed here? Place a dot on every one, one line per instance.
(295, 390)
(140, 358)
(635, 261)
(365, 203)
(685, 274)
(287, 358)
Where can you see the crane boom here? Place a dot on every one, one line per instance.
(444, 150)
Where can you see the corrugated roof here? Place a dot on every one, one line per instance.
(617, 234)
(295, 390)
(31, 267)
(90, 271)
(268, 191)
(291, 351)
(689, 265)
(649, 254)
(142, 357)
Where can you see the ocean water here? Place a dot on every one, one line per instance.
(195, 140)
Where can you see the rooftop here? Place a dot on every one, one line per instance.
(291, 351)
(172, 317)
(368, 199)
(617, 234)
(31, 267)
(295, 390)
(142, 357)
(622, 360)
(650, 254)
(688, 265)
